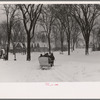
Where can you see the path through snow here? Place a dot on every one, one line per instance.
(74, 68)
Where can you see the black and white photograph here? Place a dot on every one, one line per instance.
(49, 42)
(49, 49)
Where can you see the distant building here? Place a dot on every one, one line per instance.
(39, 47)
(17, 47)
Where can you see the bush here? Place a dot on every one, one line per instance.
(94, 48)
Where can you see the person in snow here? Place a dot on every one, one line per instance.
(46, 55)
(2, 53)
(41, 55)
(52, 58)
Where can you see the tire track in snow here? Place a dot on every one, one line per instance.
(65, 75)
(61, 76)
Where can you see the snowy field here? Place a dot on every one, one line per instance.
(74, 68)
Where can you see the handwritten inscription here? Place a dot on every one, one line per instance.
(51, 84)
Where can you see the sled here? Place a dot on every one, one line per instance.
(44, 62)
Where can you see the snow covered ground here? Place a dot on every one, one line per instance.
(74, 68)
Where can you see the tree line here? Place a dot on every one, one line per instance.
(58, 21)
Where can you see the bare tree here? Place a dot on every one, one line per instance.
(96, 39)
(46, 21)
(18, 34)
(3, 33)
(85, 15)
(63, 14)
(75, 33)
(10, 11)
(59, 30)
(56, 37)
(30, 13)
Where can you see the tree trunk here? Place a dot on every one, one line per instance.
(93, 44)
(86, 38)
(61, 38)
(28, 48)
(87, 47)
(62, 45)
(8, 39)
(8, 44)
(73, 46)
(68, 46)
(13, 48)
(76, 44)
(68, 40)
(49, 44)
(55, 41)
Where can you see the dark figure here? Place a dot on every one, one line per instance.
(41, 55)
(49, 59)
(0, 53)
(46, 55)
(14, 56)
(52, 58)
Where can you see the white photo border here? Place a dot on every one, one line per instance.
(40, 90)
